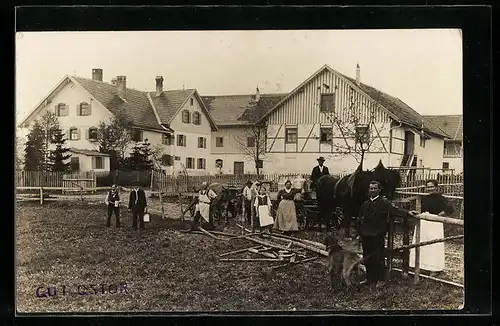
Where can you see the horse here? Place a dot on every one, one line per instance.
(349, 192)
(352, 190)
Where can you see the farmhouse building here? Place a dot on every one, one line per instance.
(304, 124)
(453, 146)
(177, 120)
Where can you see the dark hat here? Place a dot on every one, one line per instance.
(249, 182)
(321, 158)
(136, 183)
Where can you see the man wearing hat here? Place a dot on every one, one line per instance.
(137, 203)
(318, 171)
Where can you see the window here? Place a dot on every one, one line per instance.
(219, 142)
(83, 109)
(219, 163)
(202, 142)
(62, 110)
(446, 165)
(74, 134)
(362, 134)
(202, 164)
(452, 149)
(92, 134)
(196, 118)
(422, 141)
(186, 116)
(97, 162)
(74, 164)
(327, 102)
(167, 139)
(167, 160)
(191, 101)
(136, 135)
(181, 140)
(250, 141)
(177, 158)
(291, 135)
(189, 163)
(325, 135)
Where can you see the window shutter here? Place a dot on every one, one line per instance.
(78, 109)
(55, 110)
(68, 134)
(87, 132)
(93, 162)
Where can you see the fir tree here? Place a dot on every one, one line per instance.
(59, 155)
(34, 154)
(140, 158)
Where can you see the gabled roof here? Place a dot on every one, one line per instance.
(135, 107)
(168, 104)
(88, 152)
(451, 124)
(239, 109)
(394, 107)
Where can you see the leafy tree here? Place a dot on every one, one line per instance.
(114, 137)
(59, 155)
(34, 156)
(50, 125)
(140, 158)
(20, 143)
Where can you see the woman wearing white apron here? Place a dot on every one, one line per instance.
(286, 216)
(432, 256)
(263, 209)
(205, 197)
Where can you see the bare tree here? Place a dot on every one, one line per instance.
(356, 129)
(19, 152)
(252, 141)
(156, 156)
(49, 123)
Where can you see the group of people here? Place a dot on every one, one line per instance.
(372, 227)
(137, 205)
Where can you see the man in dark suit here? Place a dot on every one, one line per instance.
(318, 171)
(137, 203)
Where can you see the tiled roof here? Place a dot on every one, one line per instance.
(87, 152)
(239, 109)
(451, 124)
(135, 108)
(400, 109)
(169, 102)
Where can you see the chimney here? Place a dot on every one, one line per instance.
(357, 74)
(97, 74)
(257, 95)
(159, 85)
(121, 86)
(113, 81)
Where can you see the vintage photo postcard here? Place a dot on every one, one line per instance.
(233, 171)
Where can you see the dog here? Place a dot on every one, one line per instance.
(341, 263)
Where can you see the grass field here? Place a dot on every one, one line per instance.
(67, 243)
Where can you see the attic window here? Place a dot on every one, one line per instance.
(328, 102)
(61, 110)
(191, 101)
(83, 109)
(196, 118)
(186, 116)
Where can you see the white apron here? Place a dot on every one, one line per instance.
(204, 206)
(431, 256)
(265, 218)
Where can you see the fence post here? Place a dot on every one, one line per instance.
(406, 241)
(417, 253)
(41, 195)
(161, 204)
(390, 246)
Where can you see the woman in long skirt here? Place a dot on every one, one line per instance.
(263, 209)
(432, 256)
(286, 217)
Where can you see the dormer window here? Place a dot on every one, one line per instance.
(196, 118)
(61, 110)
(186, 116)
(83, 109)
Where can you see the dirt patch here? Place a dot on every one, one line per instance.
(166, 270)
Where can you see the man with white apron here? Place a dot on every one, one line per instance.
(205, 198)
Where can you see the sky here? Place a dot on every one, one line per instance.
(421, 67)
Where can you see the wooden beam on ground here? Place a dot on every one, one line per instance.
(268, 244)
(314, 243)
(305, 246)
(433, 278)
(238, 251)
(248, 259)
(295, 262)
(210, 234)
